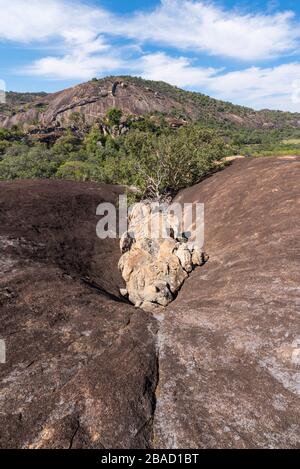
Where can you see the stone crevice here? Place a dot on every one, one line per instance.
(74, 433)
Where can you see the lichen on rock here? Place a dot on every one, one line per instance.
(156, 257)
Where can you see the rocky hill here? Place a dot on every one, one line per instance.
(217, 369)
(135, 96)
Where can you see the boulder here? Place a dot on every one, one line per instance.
(185, 256)
(154, 264)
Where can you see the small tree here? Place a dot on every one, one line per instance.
(113, 116)
(78, 119)
(162, 165)
(66, 146)
(76, 171)
(93, 142)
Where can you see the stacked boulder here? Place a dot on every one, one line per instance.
(155, 260)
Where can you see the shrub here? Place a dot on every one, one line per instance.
(4, 144)
(93, 143)
(158, 160)
(21, 161)
(113, 116)
(78, 119)
(161, 165)
(77, 171)
(66, 146)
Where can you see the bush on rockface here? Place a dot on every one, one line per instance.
(113, 116)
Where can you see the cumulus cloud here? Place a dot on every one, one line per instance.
(185, 24)
(176, 71)
(203, 26)
(81, 36)
(273, 87)
(73, 66)
(72, 26)
(27, 21)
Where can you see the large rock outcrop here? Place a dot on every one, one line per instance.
(81, 362)
(219, 368)
(229, 344)
(136, 97)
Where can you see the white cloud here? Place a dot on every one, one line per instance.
(74, 26)
(176, 71)
(186, 25)
(73, 66)
(25, 21)
(79, 35)
(273, 87)
(203, 26)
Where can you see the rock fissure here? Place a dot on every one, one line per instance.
(74, 433)
(155, 391)
(91, 284)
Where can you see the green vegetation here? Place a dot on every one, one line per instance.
(17, 101)
(114, 116)
(77, 119)
(291, 141)
(76, 171)
(264, 142)
(23, 162)
(145, 152)
(149, 155)
(161, 165)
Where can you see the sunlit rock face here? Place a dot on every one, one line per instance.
(156, 257)
(220, 367)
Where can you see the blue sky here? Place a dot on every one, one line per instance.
(244, 52)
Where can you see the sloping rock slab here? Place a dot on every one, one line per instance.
(81, 363)
(230, 343)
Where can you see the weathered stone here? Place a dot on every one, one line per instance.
(123, 291)
(229, 373)
(126, 242)
(176, 274)
(197, 256)
(154, 268)
(184, 255)
(81, 366)
(94, 99)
